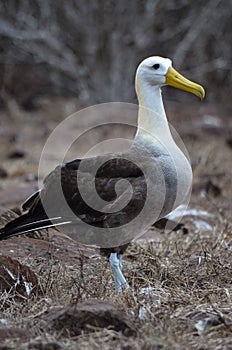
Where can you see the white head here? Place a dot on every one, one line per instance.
(153, 70)
(157, 71)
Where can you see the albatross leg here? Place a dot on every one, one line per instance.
(116, 264)
(119, 256)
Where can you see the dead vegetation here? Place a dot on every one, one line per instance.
(180, 295)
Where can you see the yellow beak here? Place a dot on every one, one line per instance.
(173, 78)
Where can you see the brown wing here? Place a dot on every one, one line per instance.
(63, 179)
(106, 178)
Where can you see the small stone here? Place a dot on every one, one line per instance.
(212, 189)
(31, 177)
(17, 154)
(3, 173)
(229, 141)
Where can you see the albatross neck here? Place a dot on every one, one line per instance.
(152, 118)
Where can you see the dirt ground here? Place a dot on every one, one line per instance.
(181, 291)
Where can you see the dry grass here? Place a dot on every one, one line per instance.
(188, 305)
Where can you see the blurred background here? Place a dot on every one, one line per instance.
(90, 49)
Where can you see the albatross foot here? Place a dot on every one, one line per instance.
(116, 264)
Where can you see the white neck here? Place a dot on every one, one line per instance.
(152, 120)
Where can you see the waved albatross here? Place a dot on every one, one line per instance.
(154, 166)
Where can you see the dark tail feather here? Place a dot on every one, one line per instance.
(25, 224)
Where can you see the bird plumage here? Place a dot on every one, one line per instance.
(154, 167)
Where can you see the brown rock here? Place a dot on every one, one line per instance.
(44, 346)
(60, 247)
(16, 154)
(229, 141)
(13, 333)
(3, 172)
(86, 316)
(213, 189)
(206, 187)
(17, 279)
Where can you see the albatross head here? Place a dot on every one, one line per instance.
(158, 71)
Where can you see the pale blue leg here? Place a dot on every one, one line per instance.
(115, 262)
(119, 256)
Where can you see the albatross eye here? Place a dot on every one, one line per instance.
(156, 66)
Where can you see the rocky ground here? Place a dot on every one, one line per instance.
(58, 294)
